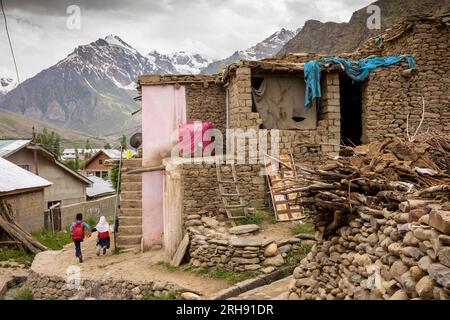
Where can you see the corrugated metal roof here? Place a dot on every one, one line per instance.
(9, 146)
(14, 178)
(99, 187)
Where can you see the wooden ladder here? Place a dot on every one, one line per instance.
(227, 196)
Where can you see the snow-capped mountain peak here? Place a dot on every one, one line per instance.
(264, 49)
(113, 40)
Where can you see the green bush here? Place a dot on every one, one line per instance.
(24, 293)
(252, 218)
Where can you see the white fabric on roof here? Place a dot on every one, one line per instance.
(14, 178)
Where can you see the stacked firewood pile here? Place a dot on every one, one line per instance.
(376, 180)
(14, 231)
(385, 211)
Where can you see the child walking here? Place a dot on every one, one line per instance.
(103, 240)
(77, 230)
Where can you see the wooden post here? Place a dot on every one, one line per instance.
(117, 197)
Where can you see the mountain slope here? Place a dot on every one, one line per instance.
(91, 90)
(264, 49)
(16, 126)
(334, 38)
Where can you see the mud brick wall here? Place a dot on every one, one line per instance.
(200, 188)
(28, 209)
(207, 102)
(389, 97)
(306, 145)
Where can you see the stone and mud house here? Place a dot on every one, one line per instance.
(68, 187)
(390, 102)
(24, 191)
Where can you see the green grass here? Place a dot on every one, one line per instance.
(117, 250)
(303, 228)
(297, 253)
(252, 218)
(24, 294)
(91, 221)
(215, 273)
(167, 266)
(18, 256)
(167, 296)
(53, 240)
(231, 276)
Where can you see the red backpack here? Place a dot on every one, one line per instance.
(78, 232)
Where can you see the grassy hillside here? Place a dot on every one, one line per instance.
(16, 126)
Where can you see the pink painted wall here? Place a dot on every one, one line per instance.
(163, 110)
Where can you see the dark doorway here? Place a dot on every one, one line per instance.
(351, 110)
(52, 217)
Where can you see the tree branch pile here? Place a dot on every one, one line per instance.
(376, 180)
(15, 232)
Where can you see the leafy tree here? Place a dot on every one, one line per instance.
(88, 145)
(124, 142)
(51, 141)
(77, 161)
(107, 146)
(113, 176)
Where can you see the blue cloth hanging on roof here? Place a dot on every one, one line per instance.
(356, 70)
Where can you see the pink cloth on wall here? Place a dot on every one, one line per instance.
(163, 110)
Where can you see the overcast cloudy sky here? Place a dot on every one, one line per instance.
(214, 28)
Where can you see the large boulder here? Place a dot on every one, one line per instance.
(440, 220)
(276, 261)
(440, 274)
(271, 250)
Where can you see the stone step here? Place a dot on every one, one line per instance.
(131, 230)
(130, 220)
(131, 163)
(125, 240)
(132, 212)
(130, 195)
(125, 204)
(131, 186)
(127, 178)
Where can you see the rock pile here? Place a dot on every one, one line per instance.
(395, 242)
(212, 244)
(57, 288)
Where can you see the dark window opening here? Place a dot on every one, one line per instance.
(256, 84)
(298, 119)
(351, 111)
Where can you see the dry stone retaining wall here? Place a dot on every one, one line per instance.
(54, 287)
(379, 259)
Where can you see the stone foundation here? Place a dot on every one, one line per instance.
(373, 259)
(54, 287)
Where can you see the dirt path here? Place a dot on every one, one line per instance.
(275, 291)
(124, 266)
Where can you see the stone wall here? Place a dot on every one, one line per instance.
(307, 146)
(389, 97)
(213, 244)
(53, 287)
(207, 102)
(90, 209)
(379, 258)
(201, 193)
